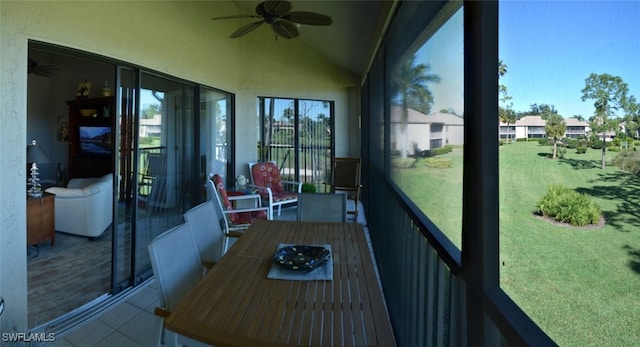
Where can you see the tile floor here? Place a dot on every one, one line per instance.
(132, 322)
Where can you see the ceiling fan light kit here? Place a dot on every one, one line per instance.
(276, 14)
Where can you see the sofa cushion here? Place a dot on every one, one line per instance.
(81, 187)
(62, 192)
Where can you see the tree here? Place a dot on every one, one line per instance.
(508, 116)
(148, 111)
(632, 117)
(505, 113)
(555, 129)
(449, 110)
(609, 94)
(410, 86)
(543, 110)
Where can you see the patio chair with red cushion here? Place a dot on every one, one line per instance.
(238, 218)
(271, 187)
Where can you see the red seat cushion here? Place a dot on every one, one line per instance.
(240, 217)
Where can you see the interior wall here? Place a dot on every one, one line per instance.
(46, 102)
(173, 37)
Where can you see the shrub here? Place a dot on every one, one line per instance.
(572, 143)
(628, 160)
(581, 150)
(437, 151)
(438, 163)
(561, 151)
(568, 206)
(614, 149)
(308, 188)
(522, 139)
(406, 163)
(596, 144)
(543, 141)
(443, 150)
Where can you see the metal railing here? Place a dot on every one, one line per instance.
(422, 285)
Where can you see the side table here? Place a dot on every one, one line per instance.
(249, 194)
(41, 219)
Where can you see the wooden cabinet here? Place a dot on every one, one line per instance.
(91, 136)
(41, 219)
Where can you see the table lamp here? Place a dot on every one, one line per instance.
(35, 155)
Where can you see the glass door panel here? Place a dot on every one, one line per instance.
(215, 134)
(125, 162)
(278, 134)
(314, 135)
(164, 160)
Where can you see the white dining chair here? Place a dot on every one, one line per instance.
(175, 261)
(322, 207)
(205, 226)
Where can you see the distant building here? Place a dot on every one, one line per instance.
(532, 127)
(426, 131)
(151, 126)
(576, 128)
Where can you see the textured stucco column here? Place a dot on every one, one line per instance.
(13, 123)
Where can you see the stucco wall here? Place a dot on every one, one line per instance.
(177, 38)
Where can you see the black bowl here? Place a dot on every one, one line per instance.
(301, 257)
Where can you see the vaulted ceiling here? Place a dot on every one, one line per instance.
(349, 41)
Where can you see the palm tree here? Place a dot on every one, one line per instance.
(502, 68)
(409, 84)
(555, 128)
(508, 116)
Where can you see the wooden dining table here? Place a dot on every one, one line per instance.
(235, 304)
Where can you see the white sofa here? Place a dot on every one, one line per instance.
(85, 206)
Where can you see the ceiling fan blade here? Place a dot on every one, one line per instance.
(236, 16)
(246, 29)
(276, 7)
(285, 29)
(310, 18)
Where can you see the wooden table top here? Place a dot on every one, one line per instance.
(237, 305)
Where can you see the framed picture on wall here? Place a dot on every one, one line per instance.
(83, 90)
(63, 129)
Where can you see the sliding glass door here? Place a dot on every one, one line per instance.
(167, 136)
(172, 135)
(298, 135)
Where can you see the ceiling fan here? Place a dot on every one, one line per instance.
(40, 70)
(283, 23)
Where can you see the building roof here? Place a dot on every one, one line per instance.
(573, 122)
(529, 121)
(415, 117)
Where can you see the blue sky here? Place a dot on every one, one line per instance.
(443, 52)
(551, 47)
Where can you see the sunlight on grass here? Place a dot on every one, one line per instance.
(579, 284)
(438, 192)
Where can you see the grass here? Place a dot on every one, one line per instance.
(581, 285)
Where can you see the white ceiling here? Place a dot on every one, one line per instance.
(347, 42)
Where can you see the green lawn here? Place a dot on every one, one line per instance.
(582, 286)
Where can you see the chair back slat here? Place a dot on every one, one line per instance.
(319, 207)
(204, 224)
(176, 264)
